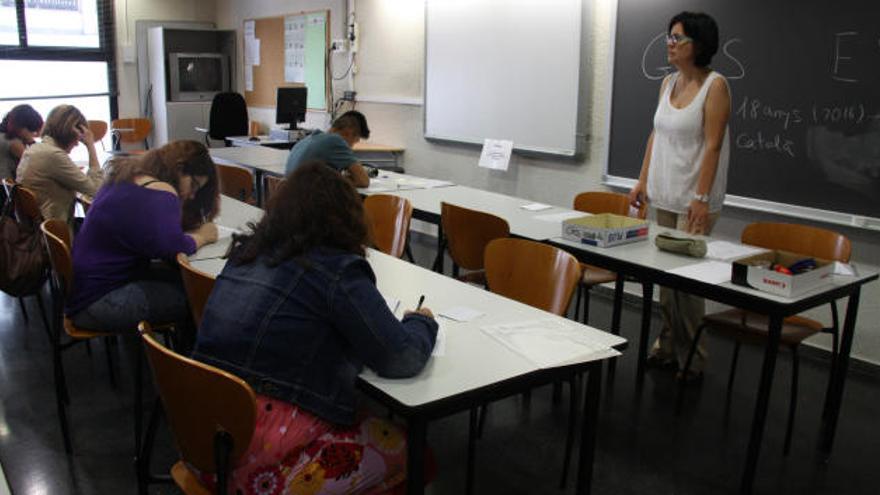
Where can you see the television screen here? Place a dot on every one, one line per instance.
(290, 106)
(199, 74)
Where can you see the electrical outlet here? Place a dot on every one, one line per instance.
(349, 96)
(339, 45)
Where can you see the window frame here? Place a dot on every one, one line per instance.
(106, 52)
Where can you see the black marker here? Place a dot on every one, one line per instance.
(421, 300)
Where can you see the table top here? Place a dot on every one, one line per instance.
(471, 359)
(245, 141)
(256, 157)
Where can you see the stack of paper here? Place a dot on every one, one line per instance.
(549, 343)
(729, 251)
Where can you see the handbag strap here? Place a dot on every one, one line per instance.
(9, 205)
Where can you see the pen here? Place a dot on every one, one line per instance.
(421, 300)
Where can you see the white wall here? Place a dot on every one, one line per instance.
(389, 83)
(130, 11)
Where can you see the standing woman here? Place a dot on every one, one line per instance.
(684, 172)
(17, 131)
(46, 167)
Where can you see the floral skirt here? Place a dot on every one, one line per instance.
(294, 453)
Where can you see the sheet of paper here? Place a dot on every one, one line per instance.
(845, 269)
(496, 154)
(379, 186)
(294, 49)
(225, 232)
(548, 343)
(712, 272)
(559, 217)
(255, 51)
(461, 313)
(393, 304)
(440, 343)
(729, 251)
(536, 207)
(248, 78)
(250, 29)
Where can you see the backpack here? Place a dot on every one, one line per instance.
(23, 259)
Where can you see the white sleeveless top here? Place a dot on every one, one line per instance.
(677, 152)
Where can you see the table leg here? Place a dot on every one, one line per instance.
(258, 187)
(615, 318)
(415, 455)
(834, 396)
(441, 246)
(588, 430)
(647, 301)
(760, 417)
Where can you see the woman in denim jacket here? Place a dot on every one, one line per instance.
(296, 313)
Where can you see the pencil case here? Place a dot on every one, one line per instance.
(681, 245)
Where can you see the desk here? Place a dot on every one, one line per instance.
(259, 159)
(381, 156)
(474, 369)
(645, 262)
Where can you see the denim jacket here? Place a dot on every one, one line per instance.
(302, 331)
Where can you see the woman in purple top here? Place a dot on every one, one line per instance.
(150, 208)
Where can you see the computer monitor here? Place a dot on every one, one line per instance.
(290, 106)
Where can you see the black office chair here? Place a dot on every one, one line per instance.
(229, 117)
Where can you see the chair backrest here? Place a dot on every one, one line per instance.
(801, 239)
(201, 400)
(468, 232)
(235, 182)
(389, 218)
(596, 202)
(27, 208)
(57, 236)
(198, 286)
(271, 183)
(229, 116)
(533, 273)
(98, 128)
(131, 130)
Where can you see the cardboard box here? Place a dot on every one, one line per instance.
(753, 271)
(605, 229)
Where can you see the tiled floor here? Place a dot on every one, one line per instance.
(643, 448)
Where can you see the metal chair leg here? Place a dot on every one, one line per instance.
(586, 318)
(687, 367)
(484, 410)
(577, 301)
(472, 449)
(108, 350)
(42, 311)
(792, 406)
(572, 425)
(23, 309)
(61, 398)
(733, 361)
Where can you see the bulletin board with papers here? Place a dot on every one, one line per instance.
(285, 51)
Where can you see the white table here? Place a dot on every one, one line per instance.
(474, 369)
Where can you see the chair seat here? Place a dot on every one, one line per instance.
(794, 328)
(187, 481)
(81, 334)
(593, 275)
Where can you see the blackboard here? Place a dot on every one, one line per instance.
(805, 80)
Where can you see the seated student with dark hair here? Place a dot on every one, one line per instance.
(296, 313)
(17, 131)
(335, 148)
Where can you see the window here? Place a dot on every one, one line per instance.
(58, 51)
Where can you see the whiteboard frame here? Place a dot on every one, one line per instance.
(742, 202)
(520, 149)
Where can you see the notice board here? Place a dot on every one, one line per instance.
(287, 51)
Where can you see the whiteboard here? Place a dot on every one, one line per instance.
(503, 69)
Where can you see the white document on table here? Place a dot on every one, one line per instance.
(711, 272)
(561, 217)
(549, 342)
(729, 251)
(393, 304)
(379, 185)
(461, 313)
(226, 232)
(440, 343)
(536, 207)
(496, 154)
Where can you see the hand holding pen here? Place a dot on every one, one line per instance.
(420, 310)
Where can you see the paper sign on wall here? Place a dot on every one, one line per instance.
(248, 77)
(496, 154)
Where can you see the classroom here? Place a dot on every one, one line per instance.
(454, 240)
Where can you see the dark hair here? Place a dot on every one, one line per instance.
(703, 30)
(354, 120)
(313, 207)
(21, 117)
(62, 123)
(167, 164)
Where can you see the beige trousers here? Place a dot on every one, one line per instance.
(681, 312)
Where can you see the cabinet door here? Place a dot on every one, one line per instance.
(184, 117)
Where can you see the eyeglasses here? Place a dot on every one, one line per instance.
(675, 39)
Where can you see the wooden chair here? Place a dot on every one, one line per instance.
(212, 414)
(389, 217)
(271, 183)
(198, 286)
(99, 130)
(57, 237)
(27, 213)
(541, 276)
(747, 327)
(130, 131)
(236, 182)
(597, 202)
(466, 234)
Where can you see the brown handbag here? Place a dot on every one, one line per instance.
(23, 261)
